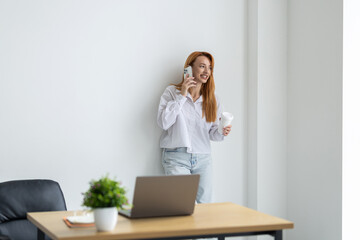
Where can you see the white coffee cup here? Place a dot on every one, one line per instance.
(225, 121)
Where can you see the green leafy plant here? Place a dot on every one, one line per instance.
(105, 192)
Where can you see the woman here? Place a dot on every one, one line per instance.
(189, 115)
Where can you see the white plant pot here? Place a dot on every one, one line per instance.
(105, 218)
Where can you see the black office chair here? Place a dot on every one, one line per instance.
(3, 237)
(22, 196)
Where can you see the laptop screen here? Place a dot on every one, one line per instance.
(156, 196)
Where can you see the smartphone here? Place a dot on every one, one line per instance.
(188, 70)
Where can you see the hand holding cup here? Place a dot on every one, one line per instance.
(225, 123)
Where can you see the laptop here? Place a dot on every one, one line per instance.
(159, 196)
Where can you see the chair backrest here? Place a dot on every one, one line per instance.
(22, 196)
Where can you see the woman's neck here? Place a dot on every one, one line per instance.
(195, 91)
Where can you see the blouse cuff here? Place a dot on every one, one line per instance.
(180, 99)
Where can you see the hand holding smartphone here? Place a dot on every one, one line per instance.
(187, 83)
(188, 70)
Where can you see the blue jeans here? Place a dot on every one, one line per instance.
(176, 161)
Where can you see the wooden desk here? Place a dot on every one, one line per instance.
(209, 220)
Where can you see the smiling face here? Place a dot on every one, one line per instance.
(201, 69)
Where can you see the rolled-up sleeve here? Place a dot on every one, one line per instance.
(169, 108)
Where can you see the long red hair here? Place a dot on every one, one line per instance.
(209, 105)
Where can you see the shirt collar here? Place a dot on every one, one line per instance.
(200, 99)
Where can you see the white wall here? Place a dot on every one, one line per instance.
(272, 107)
(80, 82)
(351, 119)
(267, 106)
(314, 118)
(295, 89)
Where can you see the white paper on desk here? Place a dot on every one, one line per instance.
(81, 219)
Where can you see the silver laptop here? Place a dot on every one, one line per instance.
(159, 196)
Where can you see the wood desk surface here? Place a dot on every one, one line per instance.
(211, 218)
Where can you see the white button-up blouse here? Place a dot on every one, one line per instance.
(181, 119)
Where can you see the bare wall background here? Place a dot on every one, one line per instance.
(80, 83)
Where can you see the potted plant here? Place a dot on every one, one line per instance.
(104, 197)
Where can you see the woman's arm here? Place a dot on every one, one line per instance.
(214, 134)
(169, 108)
